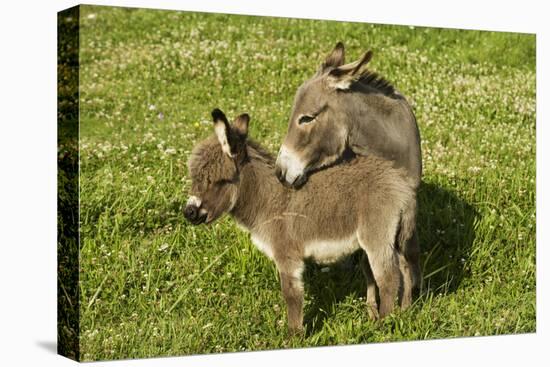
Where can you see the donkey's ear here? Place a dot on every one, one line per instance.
(240, 125)
(334, 59)
(223, 130)
(343, 76)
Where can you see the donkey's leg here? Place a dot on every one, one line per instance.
(293, 291)
(384, 264)
(372, 303)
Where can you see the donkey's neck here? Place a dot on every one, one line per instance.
(261, 197)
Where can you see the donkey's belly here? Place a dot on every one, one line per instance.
(329, 251)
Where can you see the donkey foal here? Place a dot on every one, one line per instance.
(363, 204)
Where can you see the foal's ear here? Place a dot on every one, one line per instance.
(343, 76)
(223, 130)
(240, 125)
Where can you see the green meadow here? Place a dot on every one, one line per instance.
(151, 284)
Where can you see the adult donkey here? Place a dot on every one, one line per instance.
(346, 107)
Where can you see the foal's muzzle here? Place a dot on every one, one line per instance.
(193, 214)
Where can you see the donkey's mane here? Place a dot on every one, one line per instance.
(376, 81)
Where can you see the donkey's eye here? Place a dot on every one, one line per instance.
(305, 119)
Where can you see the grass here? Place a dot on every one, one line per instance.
(151, 284)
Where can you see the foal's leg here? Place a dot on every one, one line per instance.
(385, 268)
(293, 292)
(372, 303)
(377, 237)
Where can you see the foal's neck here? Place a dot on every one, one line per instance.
(260, 196)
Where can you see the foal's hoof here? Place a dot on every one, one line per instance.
(405, 303)
(372, 311)
(296, 332)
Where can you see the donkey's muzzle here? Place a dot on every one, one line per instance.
(280, 175)
(296, 184)
(192, 214)
(299, 181)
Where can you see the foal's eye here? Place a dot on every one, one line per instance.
(222, 182)
(305, 119)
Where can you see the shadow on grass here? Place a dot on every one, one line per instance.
(446, 232)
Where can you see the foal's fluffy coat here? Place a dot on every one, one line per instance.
(364, 203)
